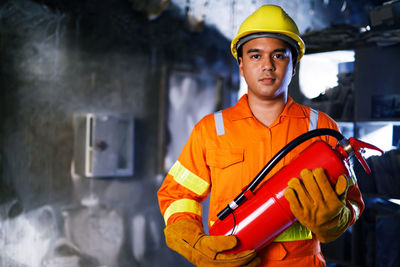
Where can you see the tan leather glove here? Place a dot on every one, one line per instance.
(317, 205)
(188, 239)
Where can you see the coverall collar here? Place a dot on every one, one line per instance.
(242, 110)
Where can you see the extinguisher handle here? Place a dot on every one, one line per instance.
(358, 147)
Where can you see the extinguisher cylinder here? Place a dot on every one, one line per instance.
(259, 220)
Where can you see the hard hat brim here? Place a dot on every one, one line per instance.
(287, 36)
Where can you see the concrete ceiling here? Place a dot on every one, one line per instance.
(311, 16)
(227, 15)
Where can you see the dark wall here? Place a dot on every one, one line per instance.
(87, 56)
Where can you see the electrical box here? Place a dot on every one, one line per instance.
(103, 145)
(385, 16)
(376, 83)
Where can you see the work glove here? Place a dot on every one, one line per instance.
(317, 205)
(187, 237)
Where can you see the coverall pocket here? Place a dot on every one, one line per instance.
(226, 170)
(223, 158)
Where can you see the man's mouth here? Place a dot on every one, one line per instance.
(267, 79)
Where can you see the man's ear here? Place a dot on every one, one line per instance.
(240, 62)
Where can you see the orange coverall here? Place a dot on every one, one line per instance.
(224, 164)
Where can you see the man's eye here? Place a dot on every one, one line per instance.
(255, 56)
(279, 56)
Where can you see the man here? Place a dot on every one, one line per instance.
(226, 150)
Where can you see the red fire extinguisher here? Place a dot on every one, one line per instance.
(257, 217)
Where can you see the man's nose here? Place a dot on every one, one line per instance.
(268, 64)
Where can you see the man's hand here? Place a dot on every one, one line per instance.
(188, 239)
(317, 205)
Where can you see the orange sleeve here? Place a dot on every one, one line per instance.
(175, 187)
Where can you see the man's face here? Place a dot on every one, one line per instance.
(267, 66)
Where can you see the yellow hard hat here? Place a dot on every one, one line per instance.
(269, 21)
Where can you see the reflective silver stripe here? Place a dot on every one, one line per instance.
(219, 123)
(233, 205)
(313, 119)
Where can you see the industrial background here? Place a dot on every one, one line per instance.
(97, 99)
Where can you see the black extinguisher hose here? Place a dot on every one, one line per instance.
(271, 164)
